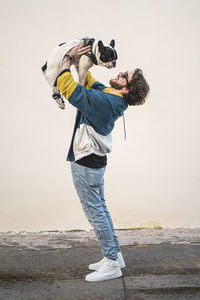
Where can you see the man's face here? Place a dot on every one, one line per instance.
(121, 80)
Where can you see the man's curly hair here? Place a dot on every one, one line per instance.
(139, 89)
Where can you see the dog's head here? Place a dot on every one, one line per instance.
(107, 55)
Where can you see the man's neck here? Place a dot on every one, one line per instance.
(115, 91)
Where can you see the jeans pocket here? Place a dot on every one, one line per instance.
(96, 177)
(87, 176)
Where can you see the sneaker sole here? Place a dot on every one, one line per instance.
(105, 278)
(93, 269)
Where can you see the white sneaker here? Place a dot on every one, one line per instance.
(95, 266)
(109, 269)
(121, 260)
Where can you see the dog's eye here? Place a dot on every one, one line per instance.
(107, 58)
(103, 58)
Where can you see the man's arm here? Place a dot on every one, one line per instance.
(66, 83)
(91, 82)
(94, 104)
(67, 86)
(88, 101)
(75, 54)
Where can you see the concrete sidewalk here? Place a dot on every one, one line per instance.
(160, 264)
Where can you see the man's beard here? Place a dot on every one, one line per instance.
(115, 84)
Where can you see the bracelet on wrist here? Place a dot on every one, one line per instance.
(67, 57)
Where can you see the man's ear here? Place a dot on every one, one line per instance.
(125, 91)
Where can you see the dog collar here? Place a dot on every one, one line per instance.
(90, 42)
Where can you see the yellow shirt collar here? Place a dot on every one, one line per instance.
(107, 90)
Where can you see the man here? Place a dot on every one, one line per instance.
(98, 109)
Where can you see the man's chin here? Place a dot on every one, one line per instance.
(114, 84)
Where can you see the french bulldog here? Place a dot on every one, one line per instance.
(100, 54)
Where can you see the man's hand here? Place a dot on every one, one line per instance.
(75, 53)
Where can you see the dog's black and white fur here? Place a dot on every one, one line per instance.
(100, 54)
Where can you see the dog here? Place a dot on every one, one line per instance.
(100, 54)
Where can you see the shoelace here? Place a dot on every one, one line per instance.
(108, 262)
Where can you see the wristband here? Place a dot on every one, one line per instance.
(68, 57)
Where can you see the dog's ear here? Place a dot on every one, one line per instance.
(112, 43)
(101, 46)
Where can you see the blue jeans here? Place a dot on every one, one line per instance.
(89, 184)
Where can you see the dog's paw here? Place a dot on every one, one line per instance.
(62, 106)
(60, 102)
(58, 98)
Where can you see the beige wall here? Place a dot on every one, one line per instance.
(153, 177)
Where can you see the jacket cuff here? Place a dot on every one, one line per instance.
(63, 71)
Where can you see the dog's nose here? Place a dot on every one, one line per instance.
(114, 63)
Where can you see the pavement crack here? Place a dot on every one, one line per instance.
(125, 294)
